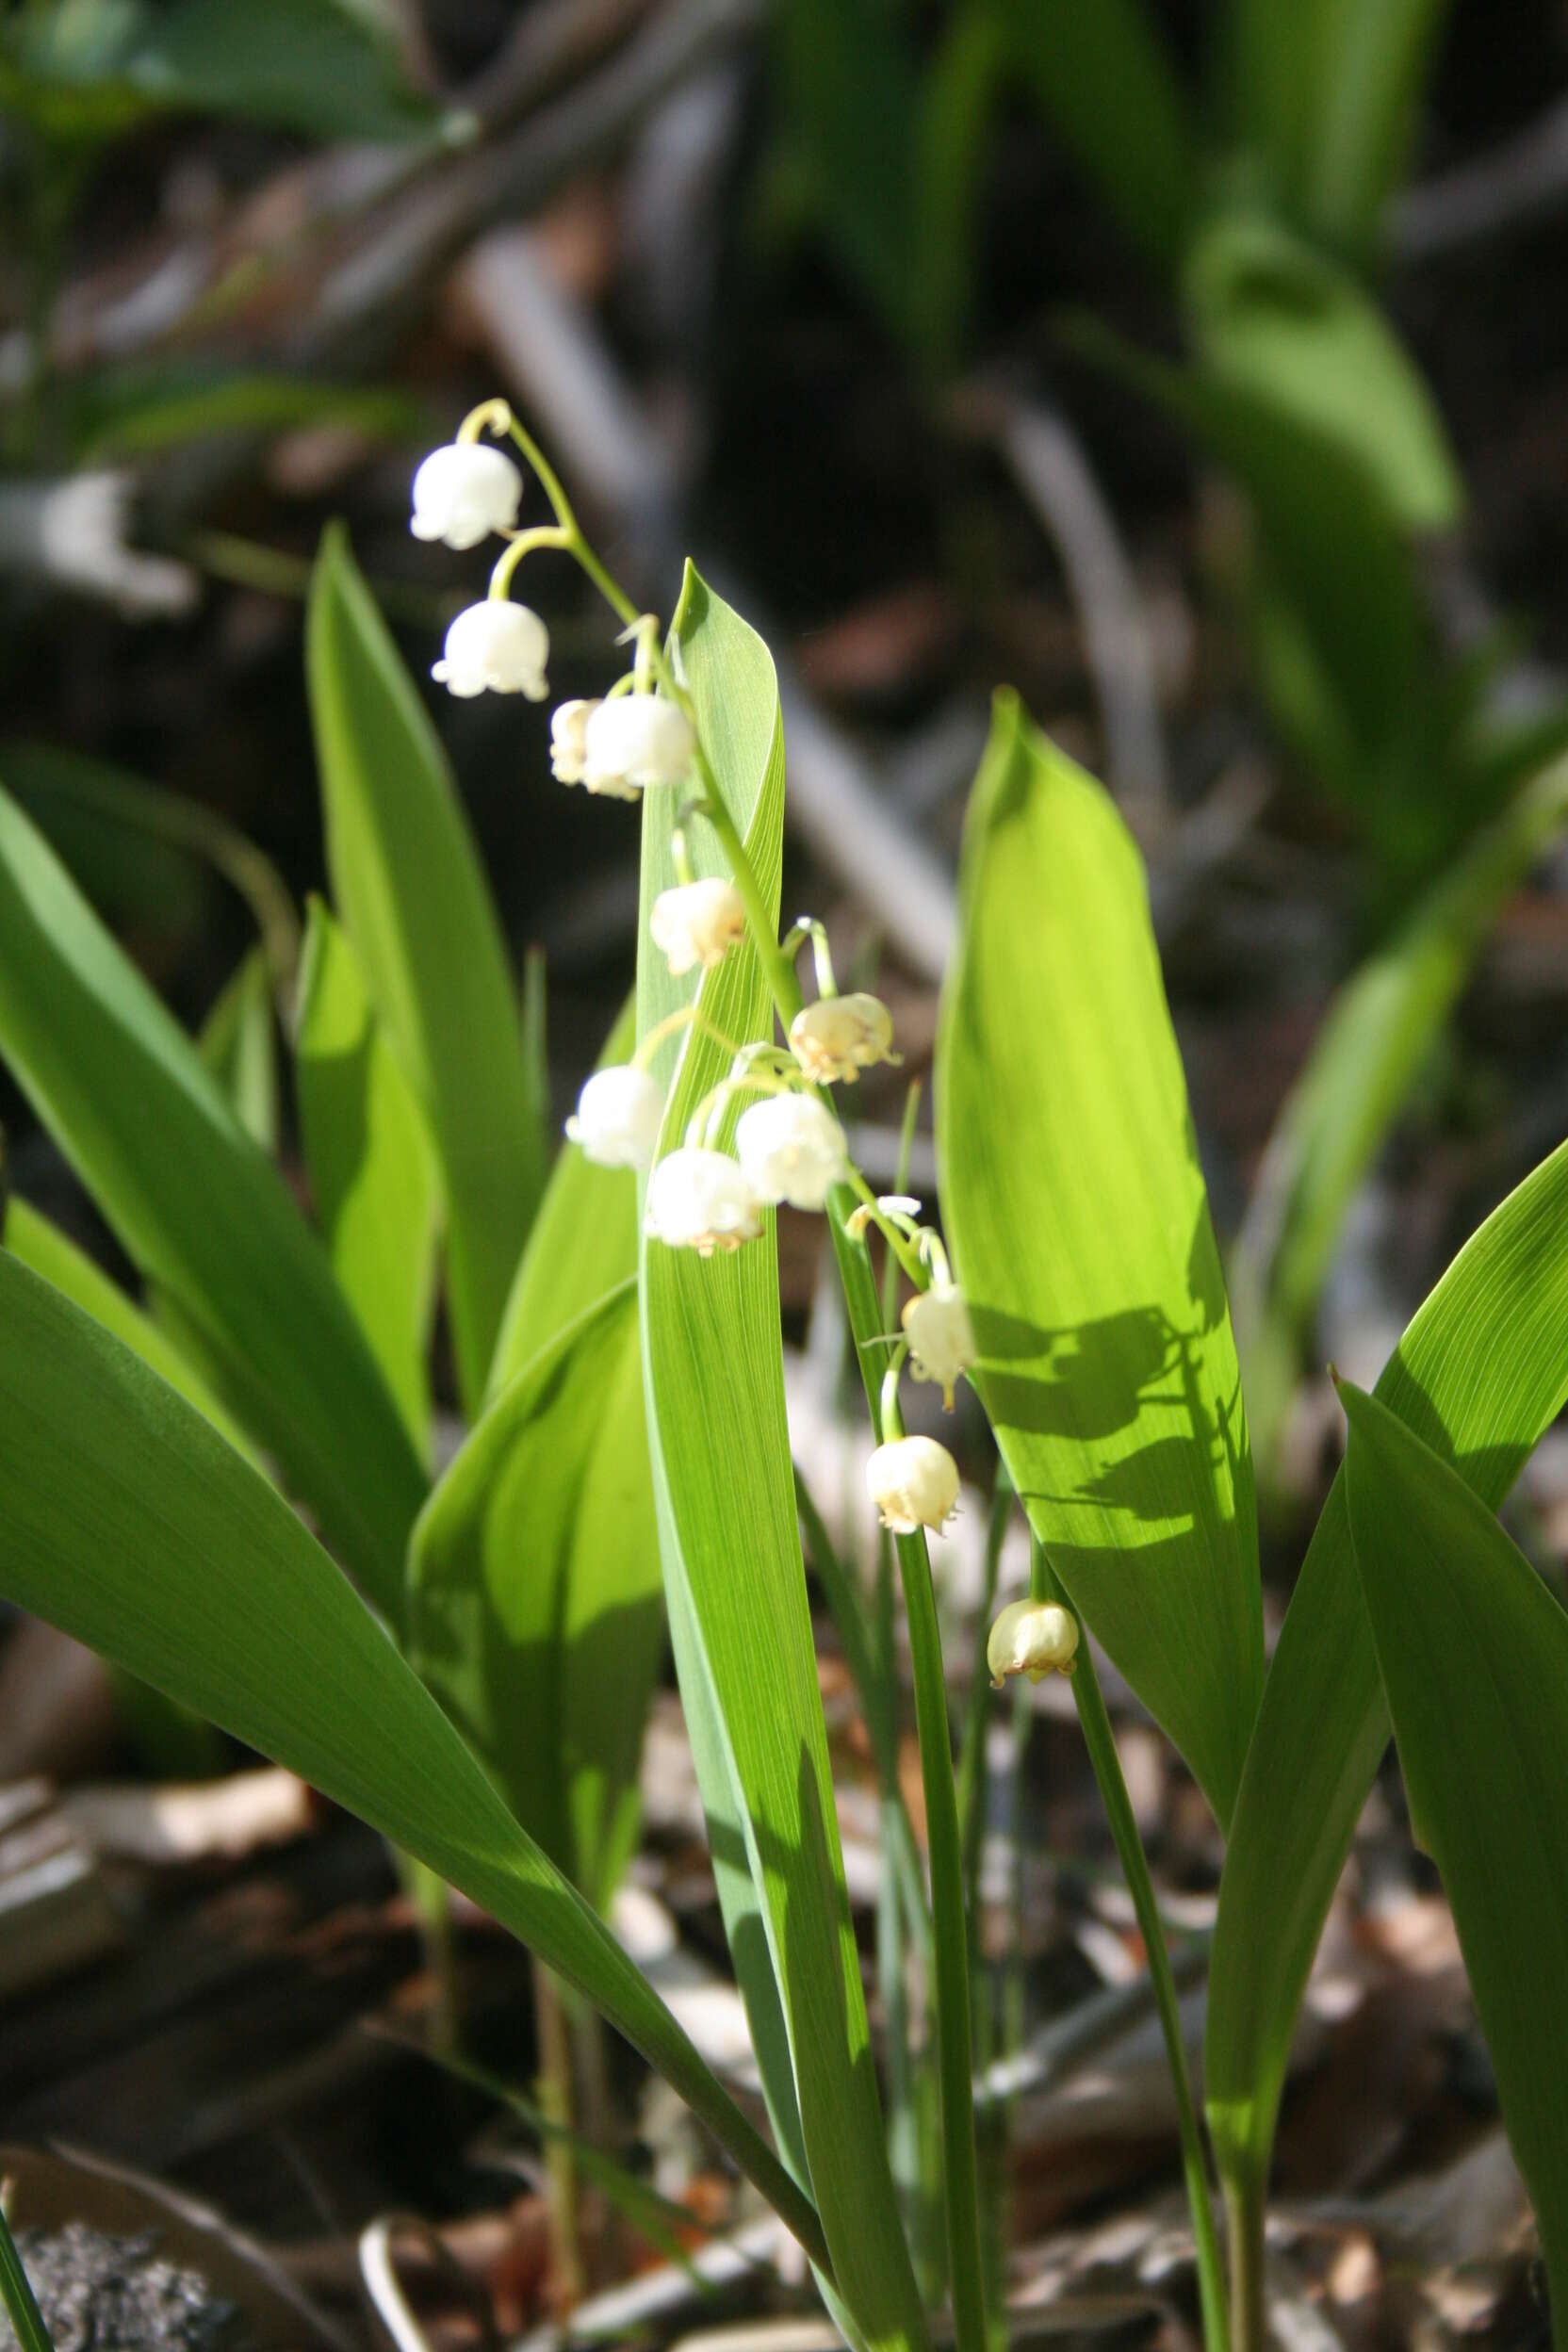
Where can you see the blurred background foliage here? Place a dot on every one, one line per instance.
(1193, 365)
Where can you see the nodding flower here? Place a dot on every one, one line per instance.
(495, 647)
(941, 1336)
(696, 923)
(700, 1199)
(569, 744)
(791, 1149)
(839, 1036)
(914, 1483)
(633, 741)
(464, 492)
(1033, 1638)
(618, 1117)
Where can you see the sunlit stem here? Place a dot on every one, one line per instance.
(898, 1242)
(524, 543)
(948, 1928)
(680, 857)
(555, 2092)
(699, 1127)
(687, 1016)
(1100, 1740)
(1246, 2215)
(549, 481)
(806, 928)
(489, 417)
(935, 1255)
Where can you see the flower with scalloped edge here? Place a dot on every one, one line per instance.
(694, 924)
(941, 1336)
(568, 739)
(791, 1149)
(632, 741)
(700, 1199)
(495, 647)
(463, 491)
(839, 1036)
(1033, 1638)
(618, 1117)
(914, 1483)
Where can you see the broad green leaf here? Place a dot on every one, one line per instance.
(139, 852)
(1103, 77)
(87, 68)
(238, 1044)
(127, 1522)
(199, 1208)
(1283, 325)
(714, 1384)
(1481, 1373)
(1322, 98)
(1080, 1227)
(1473, 1654)
(373, 1176)
(583, 1241)
(1359, 1074)
(56, 1257)
(410, 893)
(535, 1609)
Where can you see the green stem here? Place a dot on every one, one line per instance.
(1246, 2204)
(777, 970)
(955, 2061)
(1100, 1740)
(972, 1750)
(556, 2103)
(17, 2295)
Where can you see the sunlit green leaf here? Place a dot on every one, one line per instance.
(1481, 1373)
(409, 891)
(1473, 1654)
(199, 1208)
(238, 1044)
(127, 1521)
(48, 1251)
(714, 1382)
(1079, 1226)
(373, 1176)
(535, 1609)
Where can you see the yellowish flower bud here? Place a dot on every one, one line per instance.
(914, 1483)
(839, 1036)
(697, 922)
(942, 1339)
(1033, 1638)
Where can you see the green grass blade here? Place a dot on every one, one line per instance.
(1080, 1227)
(48, 1251)
(238, 1044)
(199, 1208)
(408, 887)
(17, 2295)
(373, 1174)
(1358, 1075)
(1473, 1654)
(714, 1384)
(1481, 1373)
(128, 1523)
(535, 1610)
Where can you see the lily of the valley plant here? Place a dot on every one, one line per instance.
(617, 1333)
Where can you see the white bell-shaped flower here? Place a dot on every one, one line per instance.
(1033, 1638)
(698, 923)
(791, 1149)
(914, 1483)
(496, 647)
(618, 1117)
(941, 1336)
(701, 1200)
(568, 739)
(839, 1036)
(464, 492)
(635, 741)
